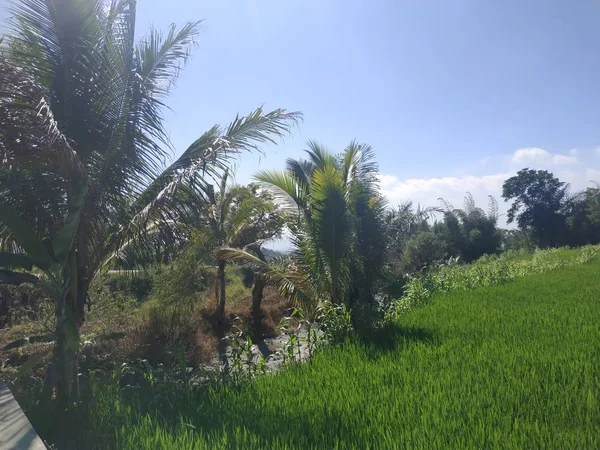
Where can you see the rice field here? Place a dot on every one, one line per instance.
(511, 366)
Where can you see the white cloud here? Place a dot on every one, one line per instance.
(531, 155)
(597, 150)
(539, 157)
(563, 160)
(573, 152)
(427, 192)
(592, 175)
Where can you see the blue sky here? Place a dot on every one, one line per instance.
(447, 92)
(453, 95)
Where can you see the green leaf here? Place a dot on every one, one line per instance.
(24, 236)
(63, 241)
(16, 278)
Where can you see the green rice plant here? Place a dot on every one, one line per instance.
(490, 270)
(508, 366)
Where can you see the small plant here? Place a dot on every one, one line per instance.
(335, 322)
(243, 363)
(291, 326)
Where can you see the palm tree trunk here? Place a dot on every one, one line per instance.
(257, 296)
(67, 351)
(69, 319)
(257, 290)
(220, 291)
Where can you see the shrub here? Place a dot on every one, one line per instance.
(137, 284)
(21, 304)
(423, 249)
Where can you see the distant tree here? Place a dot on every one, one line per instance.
(423, 249)
(538, 205)
(514, 239)
(470, 232)
(274, 254)
(402, 223)
(593, 205)
(582, 212)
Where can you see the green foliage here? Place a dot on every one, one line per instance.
(240, 217)
(335, 321)
(402, 224)
(547, 215)
(23, 303)
(538, 201)
(583, 218)
(470, 232)
(423, 249)
(515, 240)
(184, 278)
(509, 366)
(467, 233)
(138, 284)
(337, 224)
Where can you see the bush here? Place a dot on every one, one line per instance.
(423, 249)
(21, 304)
(137, 284)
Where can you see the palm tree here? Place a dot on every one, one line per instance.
(83, 150)
(238, 217)
(470, 231)
(338, 231)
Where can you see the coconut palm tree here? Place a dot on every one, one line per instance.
(83, 149)
(338, 237)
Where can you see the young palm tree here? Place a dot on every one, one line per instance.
(338, 232)
(238, 217)
(83, 146)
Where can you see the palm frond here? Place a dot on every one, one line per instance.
(318, 155)
(161, 58)
(447, 206)
(302, 170)
(287, 191)
(291, 283)
(331, 224)
(179, 194)
(359, 163)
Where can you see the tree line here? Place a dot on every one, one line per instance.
(545, 213)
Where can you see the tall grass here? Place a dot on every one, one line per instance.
(507, 366)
